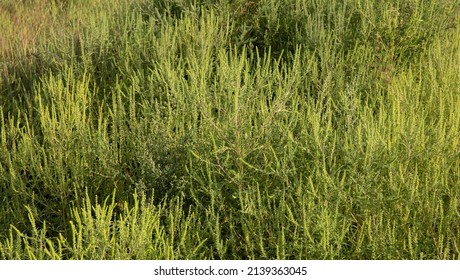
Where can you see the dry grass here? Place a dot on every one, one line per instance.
(22, 25)
(27, 24)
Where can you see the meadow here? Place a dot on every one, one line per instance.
(244, 129)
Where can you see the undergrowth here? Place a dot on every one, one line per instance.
(245, 129)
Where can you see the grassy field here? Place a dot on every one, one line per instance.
(244, 129)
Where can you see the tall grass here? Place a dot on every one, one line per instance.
(231, 130)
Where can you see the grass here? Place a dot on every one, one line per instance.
(241, 129)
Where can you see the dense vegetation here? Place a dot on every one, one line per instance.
(245, 129)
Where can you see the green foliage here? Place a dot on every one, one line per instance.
(113, 231)
(233, 130)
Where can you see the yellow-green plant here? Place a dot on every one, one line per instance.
(194, 129)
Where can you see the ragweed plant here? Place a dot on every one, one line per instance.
(263, 129)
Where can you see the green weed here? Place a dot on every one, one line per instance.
(230, 130)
